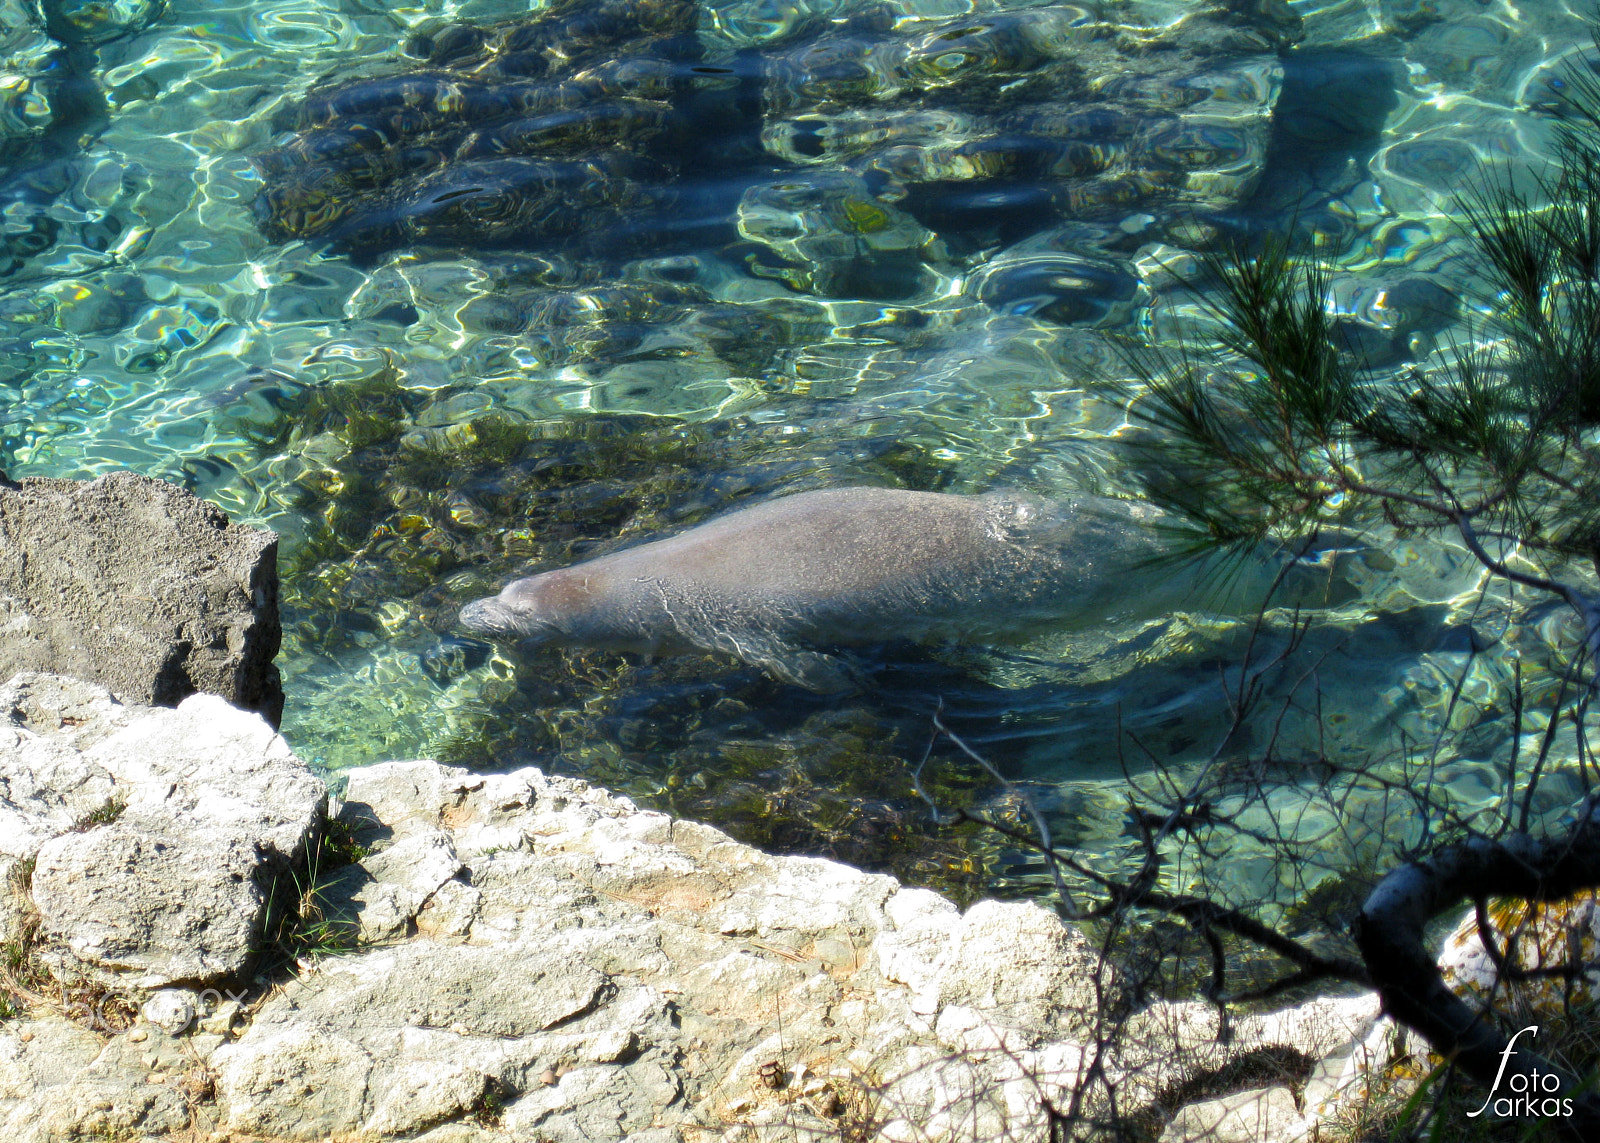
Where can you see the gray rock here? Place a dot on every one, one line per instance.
(461, 1133)
(483, 991)
(158, 836)
(35, 1053)
(46, 785)
(221, 1020)
(143, 897)
(139, 585)
(71, 712)
(383, 894)
(98, 1109)
(450, 911)
(369, 911)
(301, 1083)
(404, 798)
(13, 915)
(1264, 1115)
(599, 1103)
(418, 1033)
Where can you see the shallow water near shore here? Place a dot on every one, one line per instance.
(753, 315)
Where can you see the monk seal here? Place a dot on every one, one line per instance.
(779, 583)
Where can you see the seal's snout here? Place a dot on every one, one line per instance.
(486, 617)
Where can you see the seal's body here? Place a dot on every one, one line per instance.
(848, 566)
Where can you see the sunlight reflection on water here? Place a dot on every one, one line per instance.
(147, 323)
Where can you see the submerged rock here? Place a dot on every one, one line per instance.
(509, 133)
(602, 120)
(98, 21)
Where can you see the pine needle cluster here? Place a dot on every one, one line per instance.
(1496, 441)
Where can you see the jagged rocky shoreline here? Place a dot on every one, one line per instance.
(533, 958)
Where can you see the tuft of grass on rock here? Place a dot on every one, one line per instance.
(23, 981)
(300, 926)
(104, 815)
(338, 846)
(490, 1106)
(27, 987)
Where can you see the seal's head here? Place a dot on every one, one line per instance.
(515, 614)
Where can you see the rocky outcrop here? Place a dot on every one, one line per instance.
(543, 961)
(140, 586)
(155, 837)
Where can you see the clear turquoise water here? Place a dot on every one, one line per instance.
(155, 328)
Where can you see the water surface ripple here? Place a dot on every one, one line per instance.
(447, 291)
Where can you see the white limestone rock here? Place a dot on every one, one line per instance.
(628, 976)
(59, 1081)
(295, 1082)
(157, 835)
(383, 893)
(46, 785)
(1252, 1116)
(556, 964)
(451, 911)
(417, 866)
(160, 903)
(171, 1009)
(420, 1033)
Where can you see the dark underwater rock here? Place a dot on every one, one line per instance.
(1045, 278)
(1382, 321)
(49, 110)
(596, 123)
(97, 21)
(510, 133)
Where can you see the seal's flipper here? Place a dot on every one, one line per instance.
(811, 670)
